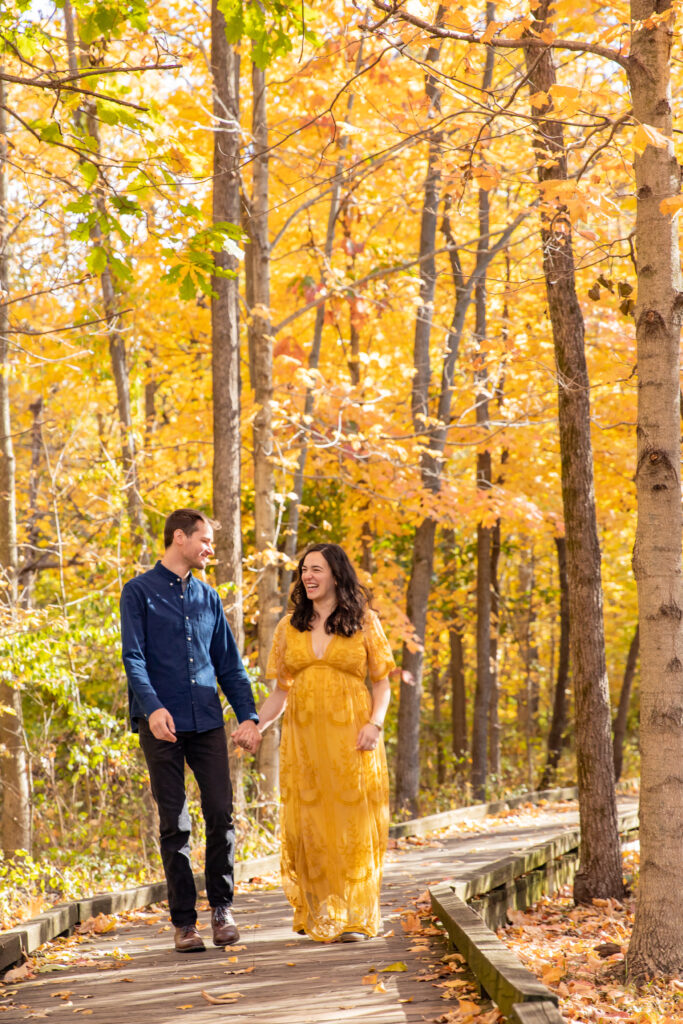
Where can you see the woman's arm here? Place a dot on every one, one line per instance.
(369, 734)
(272, 708)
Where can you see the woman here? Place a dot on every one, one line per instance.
(335, 791)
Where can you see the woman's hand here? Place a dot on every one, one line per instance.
(368, 737)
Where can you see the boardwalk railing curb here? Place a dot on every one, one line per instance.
(61, 920)
(513, 882)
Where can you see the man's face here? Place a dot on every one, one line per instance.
(196, 549)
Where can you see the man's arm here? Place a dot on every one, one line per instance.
(230, 671)
(133, 647)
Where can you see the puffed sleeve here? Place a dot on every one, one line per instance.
(276, 668)
(380, 659)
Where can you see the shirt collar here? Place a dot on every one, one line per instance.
(172, 577)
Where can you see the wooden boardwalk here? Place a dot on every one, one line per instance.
(131, 975)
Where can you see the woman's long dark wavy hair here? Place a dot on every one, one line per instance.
(352, 597)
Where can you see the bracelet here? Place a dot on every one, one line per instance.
(377, 725)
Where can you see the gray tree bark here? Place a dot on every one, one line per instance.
(558, 722)
(117, 344)
(621, 717)
(257, 272)
(600, 873)
(482, 693)
(15, 797)
(225, 348)
(225, 328)
(656, 946)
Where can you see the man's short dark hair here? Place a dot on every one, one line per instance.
(187, 520)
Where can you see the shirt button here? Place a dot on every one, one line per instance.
(187, 618)
(194, 680)
(191, 659)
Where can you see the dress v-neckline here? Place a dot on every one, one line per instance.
(313, 650)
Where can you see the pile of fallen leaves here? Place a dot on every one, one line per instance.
(579, 953)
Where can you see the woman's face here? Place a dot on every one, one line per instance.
(317, 577)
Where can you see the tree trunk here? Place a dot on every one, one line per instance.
(225, 333)
(116, 340)
(656, 946)
(419, 584)
(621, 718)
(558, 722)
(291, 544)
(494, 691)
(225, 349)
(257, 270)
(482, 693)
(15, 807)
(458, 696)
(600, 872)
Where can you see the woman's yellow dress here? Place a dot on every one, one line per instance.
(334, 813)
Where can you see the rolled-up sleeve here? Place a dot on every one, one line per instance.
(230, 672)
(133, 632)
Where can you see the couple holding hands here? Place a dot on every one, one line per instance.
(334, 812)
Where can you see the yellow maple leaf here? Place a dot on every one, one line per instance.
(647, 135)
(398, 966)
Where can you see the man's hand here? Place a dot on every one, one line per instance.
(247, 735)
(161, 725)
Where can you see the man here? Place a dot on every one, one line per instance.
(176, 642)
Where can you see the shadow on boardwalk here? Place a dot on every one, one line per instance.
(131, 975)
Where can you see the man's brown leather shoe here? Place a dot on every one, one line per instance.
(188, 939)
(224, 927)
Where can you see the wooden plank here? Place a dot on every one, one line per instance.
(10, 949)
(535, 1013)
(498, 971)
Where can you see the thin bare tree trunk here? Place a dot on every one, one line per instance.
(656, 946)
(257, 270)
(621, 718)
(600, 873)
(419, 584)
(117, 344)
(15, 796)
(225, 347)
(291, 543)
(558, 722)
(482, 693)
(225, 332)
(494, 691)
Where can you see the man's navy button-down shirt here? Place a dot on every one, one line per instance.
(175, 646)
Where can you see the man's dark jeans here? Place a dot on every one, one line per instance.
(206, 754)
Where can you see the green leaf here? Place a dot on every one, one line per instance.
(187, 289)
(97, 260)
(89, 172)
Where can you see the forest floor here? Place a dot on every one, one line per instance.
(408, 974)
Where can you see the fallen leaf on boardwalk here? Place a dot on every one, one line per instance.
(398, 966)
(64, 994)
(84, 1012)
(22, 973)
(369, 979)
(410, 922)
(242, 970)
(236, 949)
(387, 935)
(185, 1006)
(291, 963)
(224, 997)
(467, 1006)
(379, 987)
(408, 1000)
(99, 925)
(188, 977)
